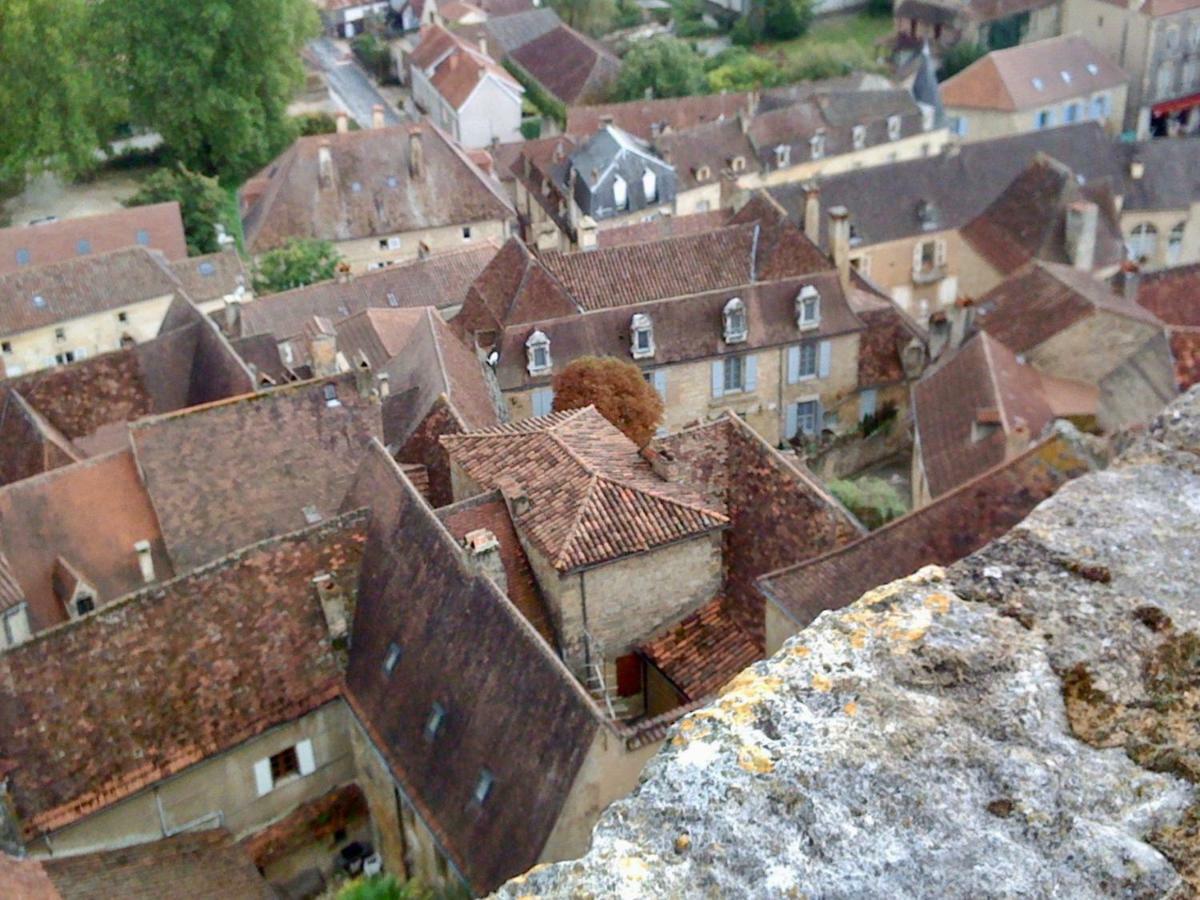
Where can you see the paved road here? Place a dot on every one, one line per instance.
(351, 86)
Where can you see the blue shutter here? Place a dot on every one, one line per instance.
(793, 365)
(823, 354)
(790, 426)
(543, 401)
(718, 378)
(660, 383)
(751, 372)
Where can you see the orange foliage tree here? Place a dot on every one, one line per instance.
(618, 391)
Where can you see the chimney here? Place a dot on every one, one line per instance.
(812, 212)
(416, 153)
(745, 123)
(606, 120)
(343, 121)
(343, 272)
(364, 379)
(325, 165)
(233, 311)
(383, 384)
(483, 46)
(1136, 170)
(145, 560)
(322, 350)
(839, 242)
(514, 494)
(333, 605)
(1082, 216)
(663, 463)
(484, 551)
(587, 233)
(377, 116)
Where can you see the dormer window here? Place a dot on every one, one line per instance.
(483, 786)
(703, 173)
(738, 164)
(859, 135)
(84, 604)
(927, 117)
(641, 340)
(893, 128)
(783, 156)
(735, 321)
(433, 724)
(808, 308)
(650, 186)
(927, 214)
(817, 145)
(620, 193)
(537, 349)
(331, 397)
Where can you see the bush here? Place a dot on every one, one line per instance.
(299, 262)
(958, 58)
(543, 101)
(663, 67)
(740, 70)
(871, 499)
(374, 55)
(881, 418)
(202, 201)
(308, 124)
(773, 20)
(618, 391)
(828, 61)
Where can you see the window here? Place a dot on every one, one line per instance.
(738, 163)
(84, 604)
(808, 308)
(434, 723)
(392, 299)
(650, 186)
(291, 762)
(83, 247)
(483, 786)
(23, 257)
(735, 375)
(1038, 84)
(642, 336)
(537, 349)
(735, 321)
(39, 301)
(331, 397)
(1044, 119)
(543, 401)
(1191, 73)
(807, 413)
(859, 136)
(783, 156)
(1143, 243)
(1175, 244)
(703, 173)
(60, 334)
(1072, 112)
(817, 145)
(1172, 38)
(620, 193)
(808, 360)
(1165, 79)
(393, 243)
(206, 269)
(356, 187)
(392, 181)
(658, 378)
(6, 347)
(143, 237)
(1100, 107)
(391, 658)
(928, 255)
(122, 317)
(1093, 69)
(466, 232)
(893, 128)
(867, 402)
(67, 356)
(1066, 76)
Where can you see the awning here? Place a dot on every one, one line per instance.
(1170, 106)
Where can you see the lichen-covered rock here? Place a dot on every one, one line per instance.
(1025, 723)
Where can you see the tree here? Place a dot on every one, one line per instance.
(618, 391)
(784, 20)
(299, 262)
(959, 57)
(213, 77)
(203, 204)
(739, 70)
(663, 67)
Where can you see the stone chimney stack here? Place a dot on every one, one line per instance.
(383, 384)
(322, 350)
(145, 560)
(233, 312)
(325, 165)
(364, 378)
(416, 153)
(484, 551)
(587, 233)
(377, 116)
(343, 121)
(812, 212)
(1082, 218)
(839, 242)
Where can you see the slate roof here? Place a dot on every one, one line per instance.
(511, 707)
(124, 714)
(648, 119)
(159, 225)
(288, 199)
(211, 277)
(569, 65)
(702, 652)
(198, 864)
(82, 287)
(959, 183)
(592, 496)
(231, 473)
(714, 146)
(1032, 75)
(954, 525)
(440, 280)
(1170, 177)
(509, 32)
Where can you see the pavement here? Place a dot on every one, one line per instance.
(350, 85)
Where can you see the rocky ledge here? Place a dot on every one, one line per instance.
(1025, 723)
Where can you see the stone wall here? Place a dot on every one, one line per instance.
(1023, 723)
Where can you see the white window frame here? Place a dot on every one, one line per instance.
(305, 760)
(1071, 113)
(641, 326)
(620, 191)
(1175, 243)
(538, 342)
(893, 128)
(816, 145)
(783, 156)
(1143, 243)
(808, 308)
(650, 186)
(393, 243)
(733, 316)
(14, 625)
(859, 136)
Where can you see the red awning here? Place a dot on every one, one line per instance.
(1161, 109)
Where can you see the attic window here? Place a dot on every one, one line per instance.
(39, 301)
(783, 156)
(738, 164)
(859, 134)
(817, 144)
(392, 299)
(1093, 69)
(1066, 76)
(808, 308)
(893, 128)
(83, 247)
(641, 336)
(311, 515)
(703, 173)
(207, 269)
(735, 321)
(331, 397)
(143, 237)
(23, 257)
(483, 786)
(84, 604)
(393, 657)
(434, 723)
(391, 181)
(1038, 84)
(927, 214)
(356, 186)
(620, 193)
(650, 186)
(537, 349)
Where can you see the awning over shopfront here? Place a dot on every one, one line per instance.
(1180, 103)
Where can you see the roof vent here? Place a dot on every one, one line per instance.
(207, 269)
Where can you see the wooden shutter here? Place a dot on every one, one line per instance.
(792, 422)
(629, 675)
(718, 378)
(824, 352)
(304, 756)
(793, 365)
(939, 252)
(751, 373)
(917, 257)
(262, 777)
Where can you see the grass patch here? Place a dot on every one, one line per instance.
(854, 36)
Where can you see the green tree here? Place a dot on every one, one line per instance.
(213, 77)
(663, 67)
(618, 391)
(299, 262)
(740, 70)
(203, 204)
(829, 61)
(784, 20)
(959, 57)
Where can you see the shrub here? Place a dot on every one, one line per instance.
(959, 57)
(663, 67)
(299, 262)
(871, 499)
(203, 205)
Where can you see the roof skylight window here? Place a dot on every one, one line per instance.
(1038, 84)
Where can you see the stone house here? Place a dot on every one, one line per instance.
(1057, 81)
(990, 24)
(381, 196)
(1160, 212)
(1158, 44)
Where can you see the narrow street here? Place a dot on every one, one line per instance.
(351, 86)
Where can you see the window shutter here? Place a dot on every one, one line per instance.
(751, 372)
(917, 256)
(660, 383)
(793, 365)
(304, 756)
(819, 424)
(262, 776)
(939, 252)
(824, 351)
(718, 378)
(866, 403)
(790, 426)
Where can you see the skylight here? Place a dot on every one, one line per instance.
(1093, 69)
(207, 269)
(39, 301)
(1038, 84)
(1066, 76)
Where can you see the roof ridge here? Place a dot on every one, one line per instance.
(573, 531)
(990, 366)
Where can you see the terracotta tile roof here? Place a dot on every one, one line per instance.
(1032, 75)
(315, 820)
(712, 147)
(454, 67)
(441, 280)
(511, 707)
(952, 526)
(1185, 348)
(702, 652)
(29, 445)
(490, 511)
(159, 225)
(82, 287)
(648, 119)
(124, 714)
(90, 514)
(211, 277)
(231, 473)
(514, 287)
(592, 497)
(290, 198)
(1172, 295)
(26, 879)
(499, 8)
(660, 229)
(570, 66)
(888, 331)
(201, 864)
(1032, 306)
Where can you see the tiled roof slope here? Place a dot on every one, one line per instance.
(571, 66)
(701, 653)
(90, 514)
(1172, 295)
(243, 470)
(211, 277)
(951, 527)
(196, 865)
(1170, 176)
(514, 287)
(29, 445)
(82, 287)
(509, 32)
(125, 714)
(441, 280)
(290, 198)
(454, 67)
(511, 707)
(25, 879)
(660, 229)
(592, 496)
(648, 119)
(888, 331)
(159, 224)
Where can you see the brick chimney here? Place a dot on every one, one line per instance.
(1082, 218)
(377, 116)
(145, 560)
(663, 462)
(812, 211)
(483, 549)
(587, 233)
(416, 153)
(343, 121)
(839, 243)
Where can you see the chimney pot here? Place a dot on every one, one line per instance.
(812, 212)
(839, 240)
(484, 550)
(377, 116)
(145, 560)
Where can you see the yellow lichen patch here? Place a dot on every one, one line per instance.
(850, 709)
(737, 703)
(633, 868)
(822, 683)
(858, 638)
(687, 725)
(938, 603)
(755, 760)
(799, 650)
